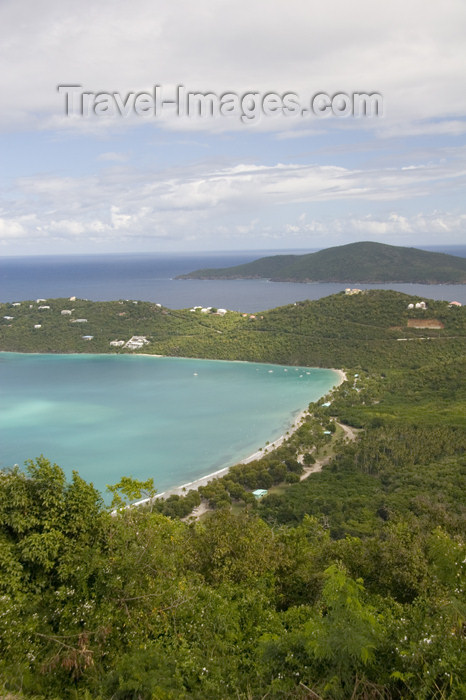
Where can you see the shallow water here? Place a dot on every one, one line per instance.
(168, 418)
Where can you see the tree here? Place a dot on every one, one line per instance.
(129, 490)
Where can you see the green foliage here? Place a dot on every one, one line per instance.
(135, 604)
(129, 490)
(365, 262)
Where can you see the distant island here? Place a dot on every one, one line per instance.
(365, 262)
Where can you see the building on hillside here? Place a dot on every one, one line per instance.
(259, 493)
(136, 342)
(454, 304)
(66, 312)
(350, 292)
(87, 337)
(38, 325)
(42, 308)
(117, 343)
(421, 305)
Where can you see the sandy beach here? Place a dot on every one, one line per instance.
(203, 480)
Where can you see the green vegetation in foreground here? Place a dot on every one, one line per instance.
(356, 262)
(367, 330)
(349, 584)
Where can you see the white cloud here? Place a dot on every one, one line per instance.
(193, 203)
(11, 229)
(413, 53)
(113, 157)
(393, 227)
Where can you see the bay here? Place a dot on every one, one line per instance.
(172, 419)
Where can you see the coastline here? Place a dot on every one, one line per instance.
(342, 375)
(204, 480)
(219, 473)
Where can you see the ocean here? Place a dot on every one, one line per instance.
(151, 277)
(172, 419)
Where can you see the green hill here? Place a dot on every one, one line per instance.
(356, 262)
(372, 329)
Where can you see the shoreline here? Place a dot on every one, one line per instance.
(219, 473)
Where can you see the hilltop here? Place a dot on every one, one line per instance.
(366, 262)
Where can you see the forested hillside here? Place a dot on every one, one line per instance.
(355, 262)
(365, 330)
(347, 584)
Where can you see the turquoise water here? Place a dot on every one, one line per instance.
(171, 419)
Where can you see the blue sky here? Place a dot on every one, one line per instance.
(112, 184)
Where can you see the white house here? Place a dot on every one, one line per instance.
(66, 312)
(136, 342)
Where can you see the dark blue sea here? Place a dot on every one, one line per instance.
(151, 277)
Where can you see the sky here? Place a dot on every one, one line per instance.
(262, 179)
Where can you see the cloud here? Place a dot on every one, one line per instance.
(113, 157)
(394, 227)
(123, 180)
(11, 229)
(245, 199)
(413, 53)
